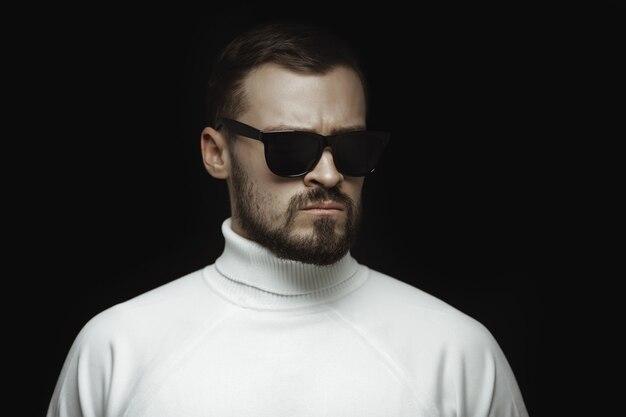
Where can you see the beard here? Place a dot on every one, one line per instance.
(324, 246)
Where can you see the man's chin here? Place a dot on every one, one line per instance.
(321, 241)
(317, 227)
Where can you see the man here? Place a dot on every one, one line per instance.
(286, 322)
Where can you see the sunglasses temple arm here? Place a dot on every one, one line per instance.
(244, 130)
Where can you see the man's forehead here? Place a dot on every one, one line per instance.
(272, 78)
(302, 128)
(281, 99)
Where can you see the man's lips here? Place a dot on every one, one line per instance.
(325, 205)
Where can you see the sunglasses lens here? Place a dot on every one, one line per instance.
(357, 154)
(291, 154)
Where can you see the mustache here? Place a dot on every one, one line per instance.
(319, 194)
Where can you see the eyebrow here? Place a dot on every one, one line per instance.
(335, 131)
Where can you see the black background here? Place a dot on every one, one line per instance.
(461, 207)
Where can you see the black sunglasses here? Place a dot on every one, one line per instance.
(294, 153)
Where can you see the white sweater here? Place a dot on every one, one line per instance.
(257, 336)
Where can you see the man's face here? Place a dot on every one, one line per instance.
(312, 218)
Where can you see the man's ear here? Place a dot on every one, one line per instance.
(215, 153)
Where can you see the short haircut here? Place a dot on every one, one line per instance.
(298, 47)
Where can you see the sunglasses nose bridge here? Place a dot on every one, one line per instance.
(328, 142)
(324, 171)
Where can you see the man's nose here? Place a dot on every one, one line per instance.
(325, 173)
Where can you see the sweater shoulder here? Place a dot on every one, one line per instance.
(182, 301)
(391, 305)
(425, 339)
(409, 299)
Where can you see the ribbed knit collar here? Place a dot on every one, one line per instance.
(252, 276)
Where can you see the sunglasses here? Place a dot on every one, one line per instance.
(294, 153)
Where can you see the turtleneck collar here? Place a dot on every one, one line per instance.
(252, 276)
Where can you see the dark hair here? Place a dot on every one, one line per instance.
(295, 46)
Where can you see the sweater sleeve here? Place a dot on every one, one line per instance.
(83, 385)
(485, 383)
